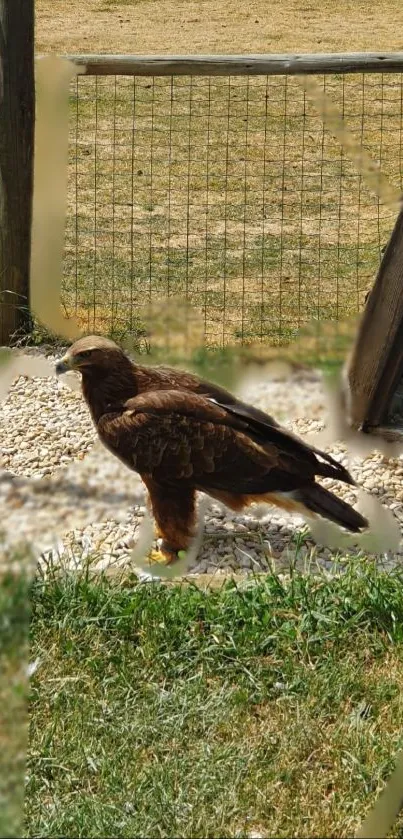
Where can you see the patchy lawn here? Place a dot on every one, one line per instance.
(259, 708)
(223, 192)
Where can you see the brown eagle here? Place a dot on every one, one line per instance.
(183, 434)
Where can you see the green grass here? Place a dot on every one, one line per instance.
(245, 310)
(14, 634)
(264, 707)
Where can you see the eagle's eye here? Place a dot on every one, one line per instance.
(85, 353)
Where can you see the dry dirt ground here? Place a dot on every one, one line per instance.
(210, 26)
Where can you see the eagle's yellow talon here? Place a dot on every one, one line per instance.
(161, 557)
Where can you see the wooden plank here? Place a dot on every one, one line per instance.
(17, 108)
(376, 365)
(238, 65)
(388, 433)
(394, 414)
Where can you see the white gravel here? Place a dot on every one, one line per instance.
(64, 492)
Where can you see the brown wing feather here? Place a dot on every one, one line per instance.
(260, 428)
(261, 425)
(168, 378)
(182, 437)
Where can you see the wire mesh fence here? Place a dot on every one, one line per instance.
(226, 192)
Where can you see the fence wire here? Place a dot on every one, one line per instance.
(228, 193)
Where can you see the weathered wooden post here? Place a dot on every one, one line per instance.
(17, 114)
(375, 370)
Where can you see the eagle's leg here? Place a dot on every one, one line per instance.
(174, 512)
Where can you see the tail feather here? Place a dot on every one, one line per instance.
(319, 500)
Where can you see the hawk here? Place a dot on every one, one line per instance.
(184, 435)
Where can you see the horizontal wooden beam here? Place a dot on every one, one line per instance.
(238, 65)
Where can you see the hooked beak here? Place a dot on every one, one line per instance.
(62, 366)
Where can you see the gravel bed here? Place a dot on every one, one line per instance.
(63, 491)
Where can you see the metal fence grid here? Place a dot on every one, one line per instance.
(228, 193)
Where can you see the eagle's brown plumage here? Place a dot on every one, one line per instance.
(183, 434)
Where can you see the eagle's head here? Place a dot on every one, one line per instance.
(90, 353)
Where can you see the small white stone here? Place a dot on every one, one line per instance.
(37, 438)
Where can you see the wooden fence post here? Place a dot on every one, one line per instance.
(375, 371)
(17, 114)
